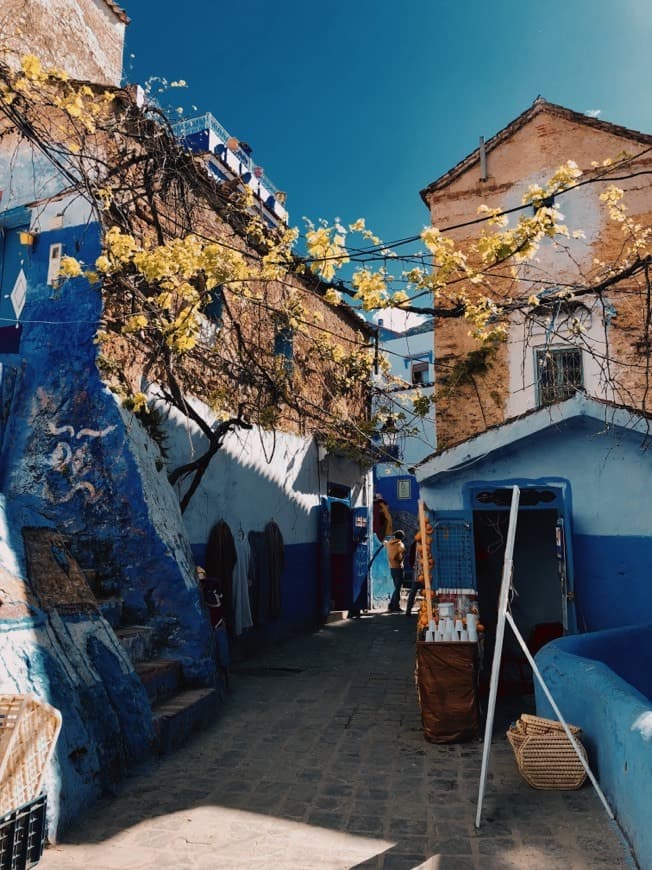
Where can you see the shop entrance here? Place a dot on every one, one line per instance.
(344, 555)
(538, 579)
(341, 562)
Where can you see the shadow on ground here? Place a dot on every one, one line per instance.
(318, 761)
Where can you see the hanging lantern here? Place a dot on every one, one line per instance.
(258, 171)
(232, 143)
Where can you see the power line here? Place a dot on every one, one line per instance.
(379, 248)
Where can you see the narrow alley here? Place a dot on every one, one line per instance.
(318, 761)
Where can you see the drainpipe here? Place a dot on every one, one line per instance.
(483, 160)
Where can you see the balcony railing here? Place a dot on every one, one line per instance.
(192, 126)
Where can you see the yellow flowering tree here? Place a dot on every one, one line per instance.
(201, 299)
(205, 300)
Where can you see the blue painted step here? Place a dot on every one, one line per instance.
(137, 641)
(161, 678)
(176, 718)
(111, 610)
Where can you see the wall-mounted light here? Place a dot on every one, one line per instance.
(27, 238)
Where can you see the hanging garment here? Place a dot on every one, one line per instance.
(276, 553)
(258, 577)
(382, 518)
(241, 607)
(220, 560)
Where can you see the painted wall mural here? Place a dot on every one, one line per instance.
(70, 465)
(74, 464)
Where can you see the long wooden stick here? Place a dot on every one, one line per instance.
(503, 599)
(551, 700)
(425, 561)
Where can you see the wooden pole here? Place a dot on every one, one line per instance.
(498, 648)
(551, 700)
(425, 561)
(504, 616)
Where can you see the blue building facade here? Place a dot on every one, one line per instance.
(584, 539)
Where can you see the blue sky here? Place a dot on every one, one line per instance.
(353, 108)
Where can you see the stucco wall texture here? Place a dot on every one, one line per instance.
(526, 153)
(601, 683)
(608, 473)
(72, 461)
(85, 38)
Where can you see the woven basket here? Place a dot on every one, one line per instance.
(545, 757)
(539, 725)
(516, 736)
(28, 733)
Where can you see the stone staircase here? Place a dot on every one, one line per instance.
(177, 710)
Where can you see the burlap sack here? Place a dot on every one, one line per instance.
(447, 680)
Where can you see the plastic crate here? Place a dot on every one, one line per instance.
(22, 835)
(28, 733)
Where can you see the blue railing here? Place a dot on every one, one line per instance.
(191, 126)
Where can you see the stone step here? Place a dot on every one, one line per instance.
(176, 718)
(92, 578)
(336, 616)
(161, 678)
(111, 610)
(137, 641)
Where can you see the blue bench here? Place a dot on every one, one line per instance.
(602, 681)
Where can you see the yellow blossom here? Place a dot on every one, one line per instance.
(332, 296)
(31, 67)
(138, 402)
(70, 268)
(135, 323)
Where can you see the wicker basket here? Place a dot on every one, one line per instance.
(545, 756)
(28, 733)
(539, 725)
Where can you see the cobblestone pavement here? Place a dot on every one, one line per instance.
(317, 760)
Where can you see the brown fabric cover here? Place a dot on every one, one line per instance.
(446, 677)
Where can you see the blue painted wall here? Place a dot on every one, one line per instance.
(602, 683)
(299, 584)
(258, 477)
(610, 581)
(609, 475)
(71, 459)
(82, 475)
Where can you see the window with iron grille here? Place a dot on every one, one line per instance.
(420, 372)
(284, 342)
(559, 374)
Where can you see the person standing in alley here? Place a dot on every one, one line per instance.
(396, 556)
(417, 584)
(382, 519)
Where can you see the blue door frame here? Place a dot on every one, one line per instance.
(535, 495)
(359, 552)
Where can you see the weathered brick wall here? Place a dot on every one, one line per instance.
(83, 37)
(530, 155)
(312, 374)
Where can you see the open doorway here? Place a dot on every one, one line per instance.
(341, 561)
(537, 603)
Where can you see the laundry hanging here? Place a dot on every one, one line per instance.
(241, 607)
(221, 558)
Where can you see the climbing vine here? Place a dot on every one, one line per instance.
(203, 299)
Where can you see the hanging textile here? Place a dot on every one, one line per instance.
(220, 561)
(265, 569)
(258, 577)
(276, 550)
(241, 607)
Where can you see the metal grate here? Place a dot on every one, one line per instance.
(453, 554)
(559, 374)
